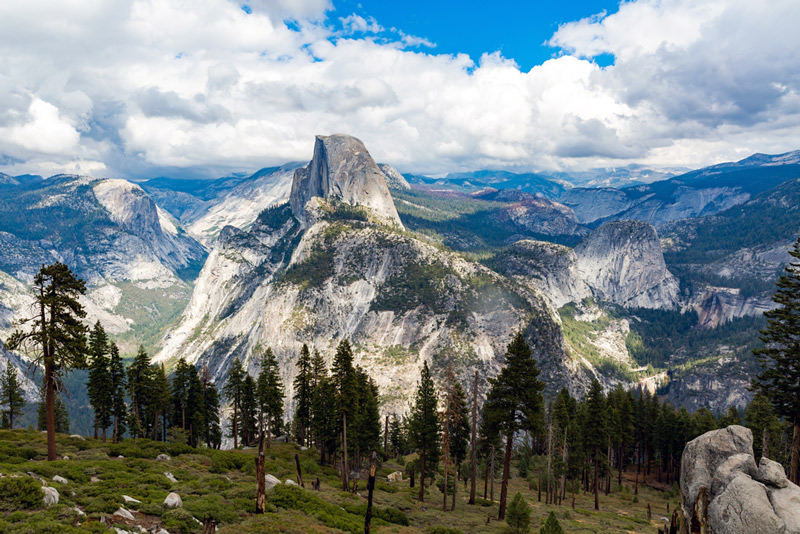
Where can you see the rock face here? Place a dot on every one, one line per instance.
(724, 491)
(342, 168)
(394, 180)
(623, 263)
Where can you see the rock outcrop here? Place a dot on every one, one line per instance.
(724, 492)
(343, 169)
(394, 180)
(623, 263)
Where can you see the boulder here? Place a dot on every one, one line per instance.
(50, 495)
(771, 473)
(397, 476)
(271, 481)
(60, 479)
(170, 477)
(131, 500)
(123, 513)
(173, 500)
(163, 458)
(742, 507)
(724, 492)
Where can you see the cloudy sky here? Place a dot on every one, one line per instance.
(141, 88)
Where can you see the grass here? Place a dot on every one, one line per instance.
(221, 484)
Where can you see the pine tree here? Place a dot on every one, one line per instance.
(197, 412)
(159, 401)
(11, 395)
(621, 425)
(731, 417)
(117, 385)
(325, 421)
(760, 417)
(248, 418)
(98, 386)
(596, 431)
(344, 380)
(55, 336)
(180, 394)
(270, 395)
(515, 402)
(367, 427)
(212, 433)
(303, 390)
(140, 376)
(396, 437)
(519, 515)
(780, 356)
(551, 526)
(233, 394)
(424, 426)
(318, 368)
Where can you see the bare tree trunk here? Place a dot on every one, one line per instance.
(422, 476)
(491, 475)
(564, 457)
(345, 467)
(474, 441)
(638, 468)
(235, 424)
(386, 439)
(370, 490)
(261, 484)
(596, 484)
(444, 489)
(794, 466)
(299, 472)
(506, 468)
(453, 507)
(209, 526)
(49, 406)
(548, 496)
(765, 444)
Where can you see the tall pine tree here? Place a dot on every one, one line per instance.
(345, 381)
(233, 394)
(780, 356)
(303, 391)
(99, 383)
(140, 377)
(515, 402)
(12, 400)
(117, 385)
(424, 427)
(270, 395)
(595, 432)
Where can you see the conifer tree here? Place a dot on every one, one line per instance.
(780, 356)
(596, 432)
(519, 515)
(197, 413)
(270, 395)
(344, 379)
(515, 402)
(233, 394)
(731, 417)
(212, 433)
(325, 422)
(318, 368)
(396, 437)
(248, 420)
(181, 378)
(760, 417)
(424, 426)
(367, 422)
(140, 376)
(117, 385)
(98, 386)
(621, 425)
(12, 399)
(54, 337)
(159, 401)
(303, 390)
(551, 526)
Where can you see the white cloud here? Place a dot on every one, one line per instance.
(139, 87)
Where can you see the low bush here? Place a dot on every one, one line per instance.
(20, 493)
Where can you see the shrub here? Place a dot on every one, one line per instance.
(179, 520)
(443, 530)
(20, 493)
(551, 526)
(214, 506)
(518, 515)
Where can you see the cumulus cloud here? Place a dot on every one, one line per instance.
(140, 87)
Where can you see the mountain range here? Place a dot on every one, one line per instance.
(659, 282)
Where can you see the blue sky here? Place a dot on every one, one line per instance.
(138, 88)
(518, 29)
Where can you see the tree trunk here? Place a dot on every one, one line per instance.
(386, 439)
(765, 444)
(299, 472)
(345, 467)
(235, 424)
(596, 483)
(444, 489)
(485, 480)
(794, 466)
(474, 441)
(453, 507)
(491, 475)
(564, 458)
(261, 483)
(104, 435)
(370, 490)
(506, 468)
(269, 432)
(49, 406)
(422, 475)
(548, 496)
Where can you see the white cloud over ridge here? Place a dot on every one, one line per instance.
(135, 88)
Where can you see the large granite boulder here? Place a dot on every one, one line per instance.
(724, 492)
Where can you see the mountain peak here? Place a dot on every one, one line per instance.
(342, 168)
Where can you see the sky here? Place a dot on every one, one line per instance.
(203, 88)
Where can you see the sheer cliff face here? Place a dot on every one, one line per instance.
(623, 263)
(342, 168)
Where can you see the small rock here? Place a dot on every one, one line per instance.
(271, 481)
(50, 495)
(173, 500)
(79, 511)
(120, 531)
(162, 531)
(197, 521)
(65, 457)
(129, 499)
(163, 457)
(60, 479)
(123, 513)
(76, 436)
(397, 476)
(121, 457)
(771, 473)
(290, 482)
(170, 477)
(94, 480)
(303, 448)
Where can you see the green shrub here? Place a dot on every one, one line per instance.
(518, 515)
(443, 530)
(214, 506)
(104, 504)
(179, 520)
(20, 493)
(551, 526)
